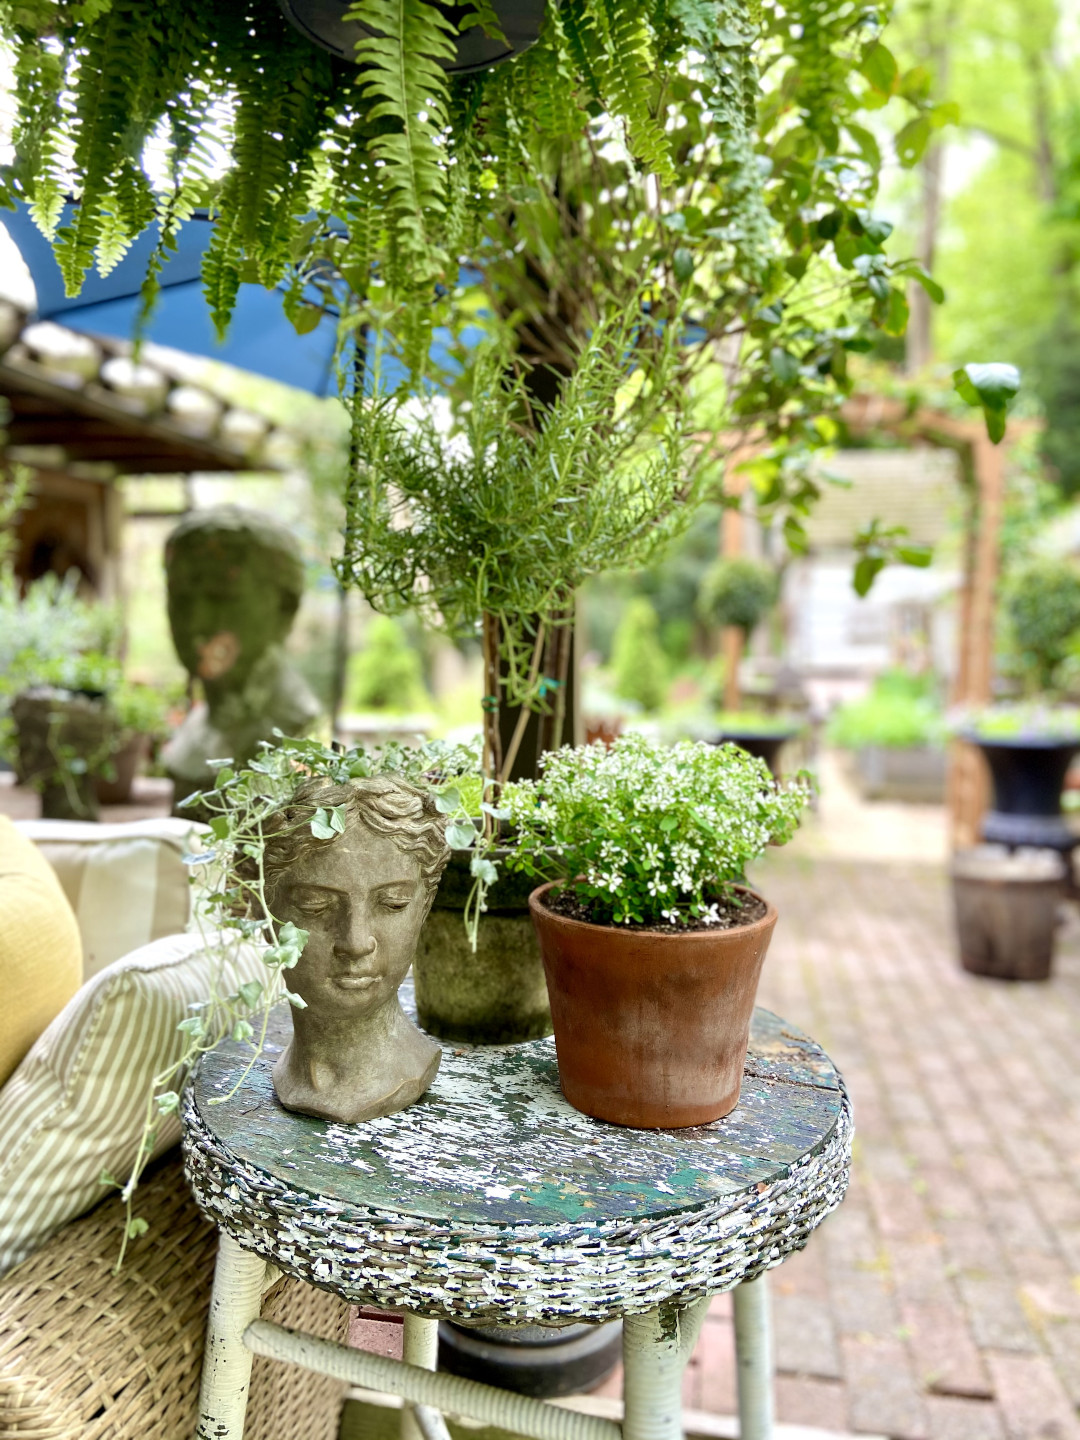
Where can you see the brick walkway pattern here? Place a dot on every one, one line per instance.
(942, 1301)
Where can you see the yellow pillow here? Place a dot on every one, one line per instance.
(40, 948)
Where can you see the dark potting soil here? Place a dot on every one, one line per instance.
(735, 911)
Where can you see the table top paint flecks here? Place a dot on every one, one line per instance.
(493, 1199)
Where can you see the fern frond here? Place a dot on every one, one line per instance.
(402, 76)
(625, 65)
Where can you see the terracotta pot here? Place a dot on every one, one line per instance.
(650, 1028)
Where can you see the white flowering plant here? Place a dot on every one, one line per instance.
(649, 834)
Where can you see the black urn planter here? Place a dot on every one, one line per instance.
(537, 1360)
(764, 744)
(1028, 774)
(324, 24)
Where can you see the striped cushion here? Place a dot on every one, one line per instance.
(127, 884)
(76, 1104)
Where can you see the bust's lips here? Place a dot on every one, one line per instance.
(350, 980)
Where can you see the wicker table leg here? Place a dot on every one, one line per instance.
(420, 1346)
(235, 1301)
(753, 1356)
(656, 1347)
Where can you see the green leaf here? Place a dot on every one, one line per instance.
(912, 140)
(305, 318)
(948, 113)
(136, 1227)
(784, 365)
(867, 569)
(325, 824)
(219, 826)
(990, 386)
(878, 65)
(447, 801)
(896, 318)
(683, 264)
(296, 1001)
(928, 283)
(917, 555)
(461, 835)
(251, 992)
(168, 1102)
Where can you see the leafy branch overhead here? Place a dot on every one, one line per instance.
(384, 171)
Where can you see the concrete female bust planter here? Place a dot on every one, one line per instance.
(235, 578)
(362, 897)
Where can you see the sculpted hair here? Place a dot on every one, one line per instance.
(387, 806)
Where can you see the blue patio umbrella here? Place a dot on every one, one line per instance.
(261, 338)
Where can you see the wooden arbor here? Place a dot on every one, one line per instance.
(982, 469)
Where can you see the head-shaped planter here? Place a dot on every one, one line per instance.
(234, 579)
(362, 897)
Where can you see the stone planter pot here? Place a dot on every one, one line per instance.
(1006, 907)
(324, 24)
(126, 762)
(496, 996)
(650, 1028)
(915, 774)
(1028, 776)
(765, 744)
(63, 737)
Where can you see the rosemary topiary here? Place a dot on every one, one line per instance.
(738, 591)
(1042, 602)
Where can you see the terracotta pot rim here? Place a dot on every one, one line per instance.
(683, 937)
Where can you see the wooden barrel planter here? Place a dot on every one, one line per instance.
(1007, 908)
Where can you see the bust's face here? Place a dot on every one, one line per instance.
(222, 613)
(363, 902)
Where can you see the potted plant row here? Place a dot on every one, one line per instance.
(896, 736)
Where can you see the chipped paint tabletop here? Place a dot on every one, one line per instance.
(492, 1183)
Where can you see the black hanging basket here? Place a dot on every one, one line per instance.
(324, 23)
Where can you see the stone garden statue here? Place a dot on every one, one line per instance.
(362, 897)
(234, 580)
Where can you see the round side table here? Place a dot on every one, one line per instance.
(492, 1200)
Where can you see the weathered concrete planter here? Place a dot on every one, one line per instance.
(651, 1028)
(1007, 910)
(497, 996)
(915, 774)
(63, 738)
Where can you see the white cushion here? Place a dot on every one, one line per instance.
(127, 884)
(76, 1104)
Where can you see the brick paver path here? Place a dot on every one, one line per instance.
(943, 1299)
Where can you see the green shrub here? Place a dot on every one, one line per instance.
(638, 657)
(893, 715)
(386, 674)
(738, 592)
(1042, 603)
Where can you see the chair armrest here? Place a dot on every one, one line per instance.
(89, 1355)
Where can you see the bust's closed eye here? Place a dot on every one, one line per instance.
(309, 900)
(396, 899)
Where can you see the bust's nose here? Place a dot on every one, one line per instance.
(356, 940)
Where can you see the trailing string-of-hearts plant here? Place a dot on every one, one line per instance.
(249, 952)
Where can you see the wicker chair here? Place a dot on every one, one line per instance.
(89, 1355)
